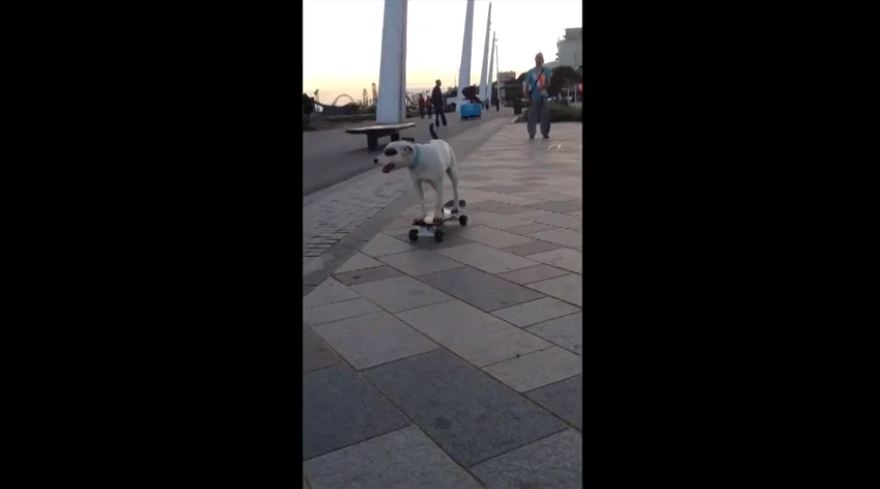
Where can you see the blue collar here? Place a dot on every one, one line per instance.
(415, 160)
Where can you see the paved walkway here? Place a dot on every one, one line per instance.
(457, 364)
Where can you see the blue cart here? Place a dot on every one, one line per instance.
(471, 111)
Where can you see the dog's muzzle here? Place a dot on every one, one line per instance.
(387, 168)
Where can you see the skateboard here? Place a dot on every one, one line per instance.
(426, 229)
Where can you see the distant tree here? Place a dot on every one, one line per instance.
(563, 77)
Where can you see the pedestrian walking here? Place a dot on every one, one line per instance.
(422, 107)
(437, 100)
(535, 89)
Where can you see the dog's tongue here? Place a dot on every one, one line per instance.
(387, 168)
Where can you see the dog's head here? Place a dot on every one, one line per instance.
(398, 154)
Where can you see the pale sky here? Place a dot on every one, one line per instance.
(342, 40)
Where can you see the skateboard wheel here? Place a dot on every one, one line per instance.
(413, 234)
(462, 220)
(438, 235)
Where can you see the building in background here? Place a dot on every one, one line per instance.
(570, 48)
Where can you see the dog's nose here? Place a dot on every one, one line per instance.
(375, 160)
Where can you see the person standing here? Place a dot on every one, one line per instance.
(429, 104)
(437, 100)
(422, 107)
(535, 87)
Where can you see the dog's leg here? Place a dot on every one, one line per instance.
(421, 192)
(453, 176)
(438, 204)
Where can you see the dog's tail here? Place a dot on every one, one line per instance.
(433, 134)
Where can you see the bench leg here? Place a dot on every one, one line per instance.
(372, 141)
(395, 136)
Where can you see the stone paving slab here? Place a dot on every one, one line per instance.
(316, 353)
(340, 408)
(563, 237)
(338, 310)
(470, 415)
(356, 277)
(493, 237)
(563, 398)
(400, 293)
(533, 370)
(567, 287)
(480, 289)
(359, 261)
(532, 274)
(476, 336)
(529, 313)
(402, 459)
(561, 207)
(383, 245)
(493, 220)
(566, 332)
(565, 258)
(486, 258)
(535, 247)
(328, 292)
(532, 227)
(420, 262)
(367, 341)
(554, 462)
(502, 208)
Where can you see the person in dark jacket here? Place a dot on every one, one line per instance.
(421, 107)
(429, 104)
(437, 101)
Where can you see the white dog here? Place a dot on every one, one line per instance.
(426, 163)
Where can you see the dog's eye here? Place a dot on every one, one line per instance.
(390, 152)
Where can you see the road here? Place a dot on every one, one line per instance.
(331, 156)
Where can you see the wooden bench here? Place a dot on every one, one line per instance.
(375, 132)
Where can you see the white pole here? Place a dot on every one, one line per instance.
(491, 66)
(391, 107)
(485, 56)
(464, 73)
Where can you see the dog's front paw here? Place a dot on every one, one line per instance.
(438, 220)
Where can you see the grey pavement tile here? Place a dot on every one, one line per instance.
(532, 248)
(493, 237)
(316, 353)
(552, 463)
(470, 415)
(403, 459)
(452, 238)
(530, 228)
(533, 370)
(306, 484)
(565, 258)
(564, 399)
(532, 274)
(566, 331)
(486, 258)
(560, 207)
(529, 313)
(420, 262)
(502, 208)
(400, 293)
(340, 408)
(564, 237)
(476, 336)
(383, 244)
(480, 289)
(577, 214)
(338, 310)
(560, 220)
(493, 220)
(356, 277)
(567, 287)
(367, 341)
(358, 261)
(328, 292)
